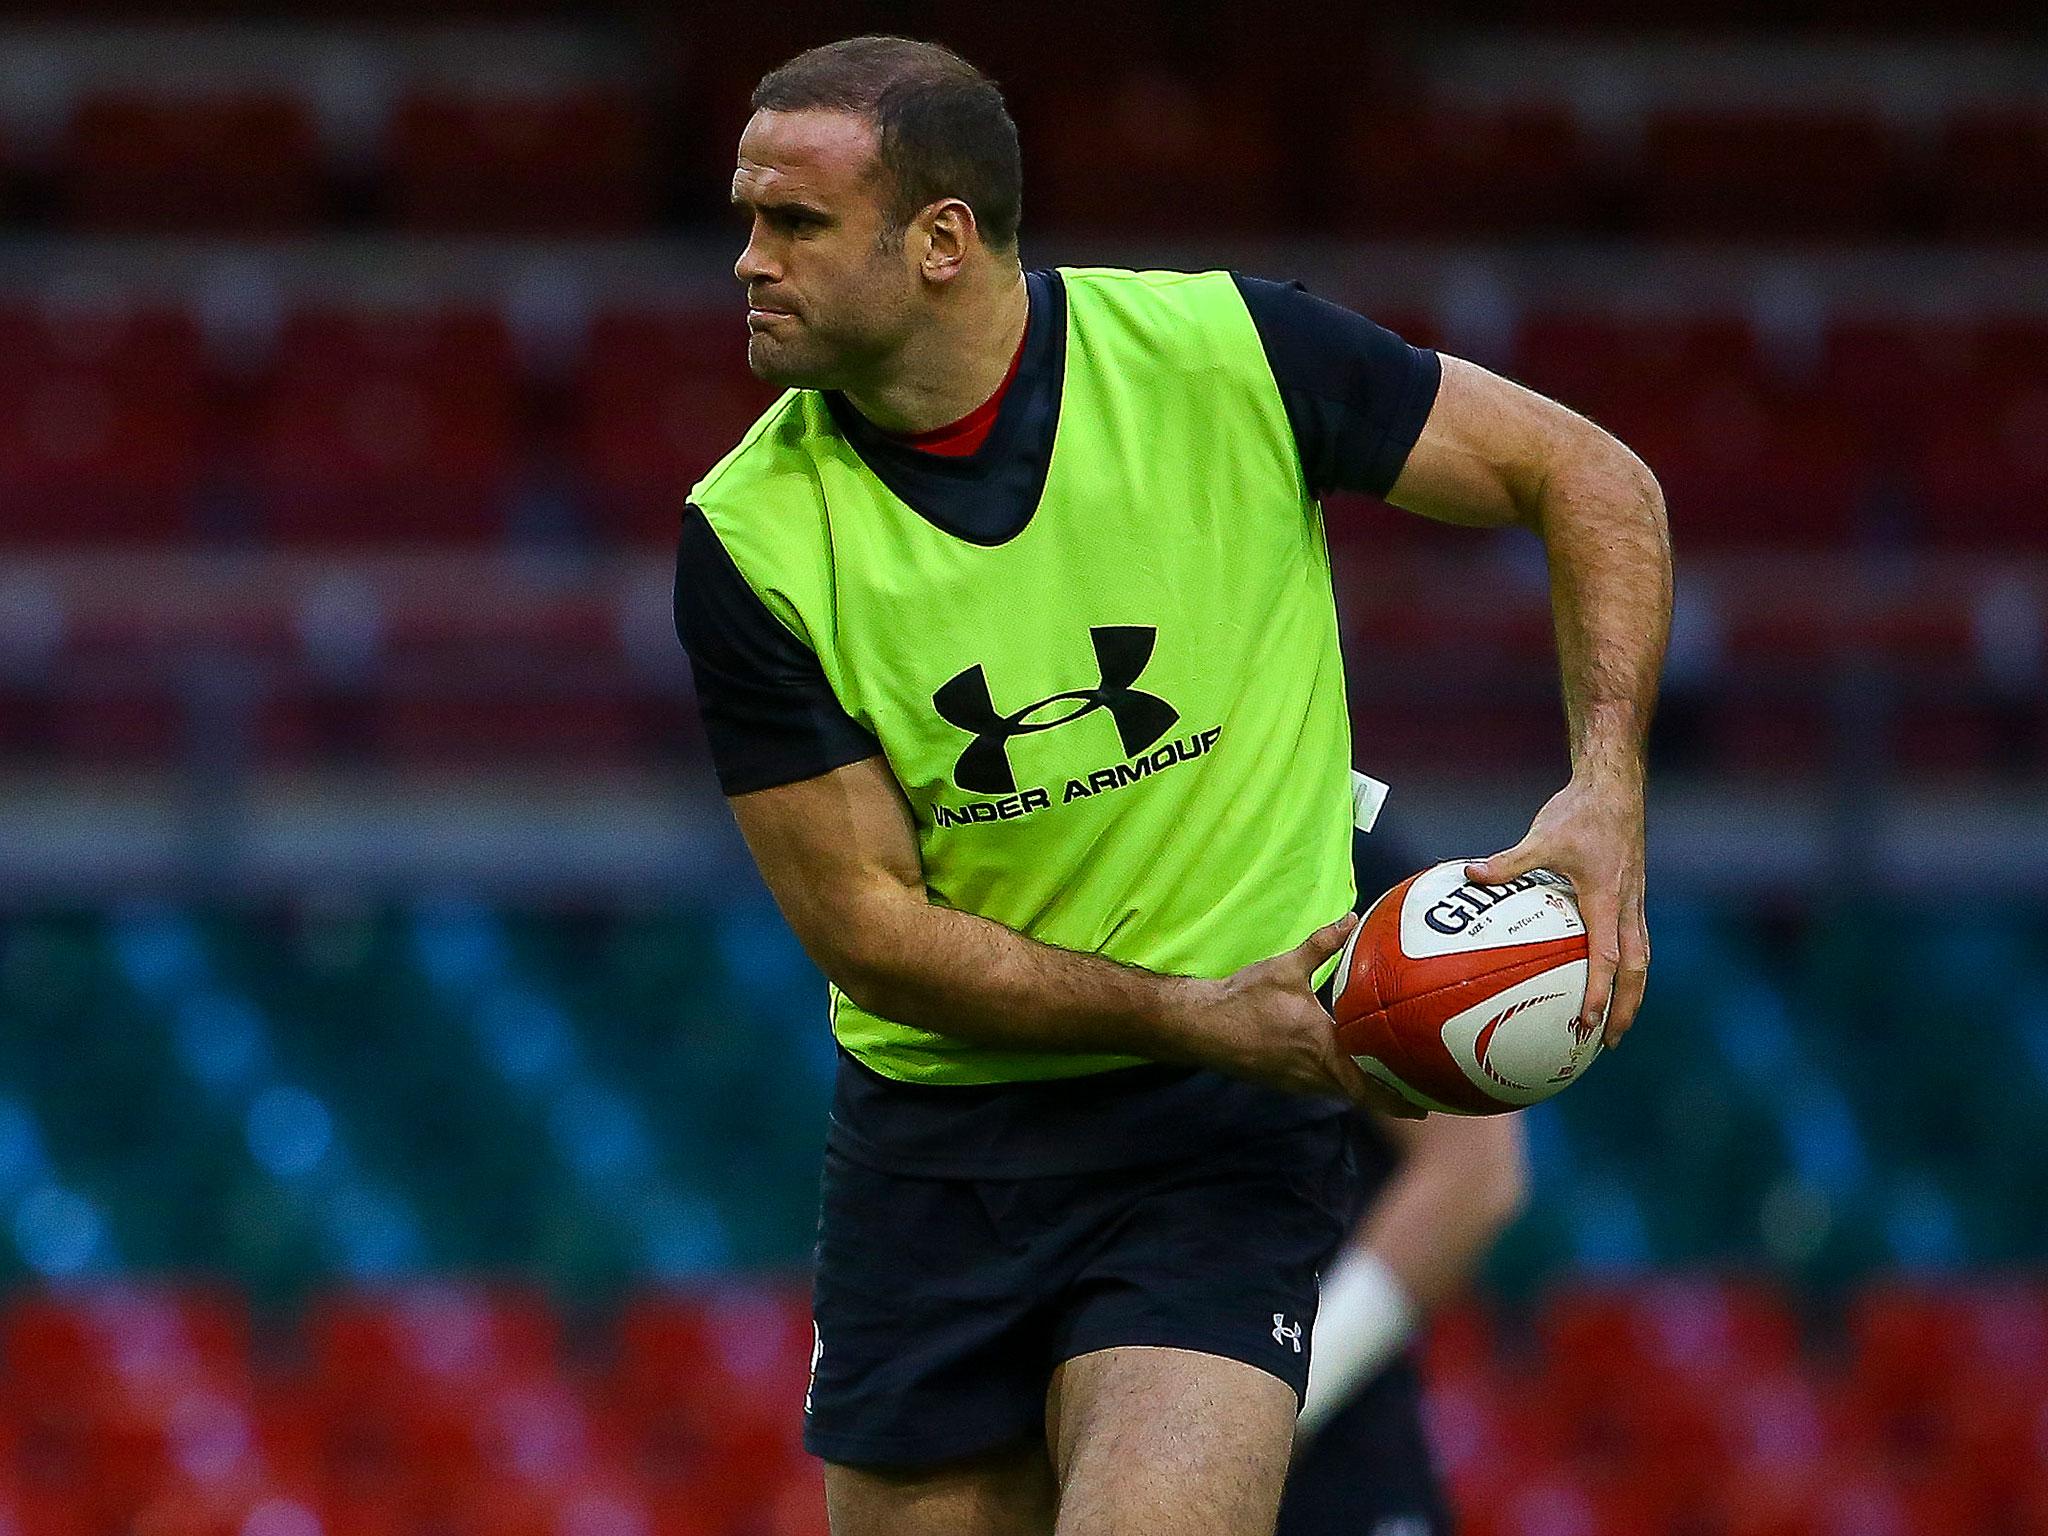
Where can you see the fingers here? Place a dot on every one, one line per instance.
(1368, 1092)
(1601, 912)
(1505, 865)
(1633, 974)
(1327, 940)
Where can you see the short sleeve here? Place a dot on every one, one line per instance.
(1356, 394)
(769, 711)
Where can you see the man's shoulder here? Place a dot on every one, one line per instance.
(763, 453)
(1190, 322)
(1134, 284)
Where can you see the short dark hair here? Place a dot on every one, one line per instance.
(941, 125)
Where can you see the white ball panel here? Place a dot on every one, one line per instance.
(1524, 1043)
(1445, 913)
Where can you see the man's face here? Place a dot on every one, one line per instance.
(827, 293)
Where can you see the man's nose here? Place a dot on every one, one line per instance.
(754, 265)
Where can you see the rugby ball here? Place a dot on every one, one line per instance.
(1463, 997)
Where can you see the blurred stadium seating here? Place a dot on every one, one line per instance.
(410, 1107)
(379, 427)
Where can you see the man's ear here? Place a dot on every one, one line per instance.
(949, 233)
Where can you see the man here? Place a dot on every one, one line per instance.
(1015, 642)
(1437, 1193)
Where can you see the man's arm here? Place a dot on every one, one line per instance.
(1460, 1182)
(839, 852)
(1494, 453)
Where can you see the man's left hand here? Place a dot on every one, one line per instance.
(1591, 832)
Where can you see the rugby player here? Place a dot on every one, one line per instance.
(1435, 1196)
(1015, 643)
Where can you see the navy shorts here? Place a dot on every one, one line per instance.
(1368, 1472)
(943, 1305)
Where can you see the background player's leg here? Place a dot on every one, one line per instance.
(1369, 1471)
(1004, 1493)
(1167, 1442)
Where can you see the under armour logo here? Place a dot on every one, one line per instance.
(1122, 652)
(1285, 1332)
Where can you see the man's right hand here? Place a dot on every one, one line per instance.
(1265, 1023)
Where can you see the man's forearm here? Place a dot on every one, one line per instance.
(1443, 1209)
(1601, 518)
(965, 976)
(839, 853)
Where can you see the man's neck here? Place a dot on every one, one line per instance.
(955, 365)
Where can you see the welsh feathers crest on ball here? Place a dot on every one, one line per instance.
(1465, 997)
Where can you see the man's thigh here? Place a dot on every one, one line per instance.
(1150, 1441)
(1000, 1493)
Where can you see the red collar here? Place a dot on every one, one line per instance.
(960, 438)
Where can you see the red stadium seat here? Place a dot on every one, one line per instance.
(710, 1389)
(123, 1392)
(1738, 469)
(1485, 1429)
(1400, 738)
(1564, 1500)
(421, 1393)
(1695, 1330)
(731, 1352)
(1191, 156)
(1439, 171)
(1991, 182)
(661, 397)
(103, 424)
(110, 729)
(1460, 1342)
(378, 1341)
(2010, 348)
(1911, 1343)
(388, 428)
(1631, 372)
(1417, 327)
(1783, 176)
(229, 164)
(683, 1510)
(1771, 740)
(1742, 459)
(573, 164)
(1890, 374)
(1778, 1420)
(1982, 469)
(518, 728)
(460, 348)
(495, 1508)
(55, 1343)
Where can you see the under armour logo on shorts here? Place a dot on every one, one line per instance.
(1285, 1332)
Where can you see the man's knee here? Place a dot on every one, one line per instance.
(1006, 1492)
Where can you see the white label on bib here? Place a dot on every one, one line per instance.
(1368, 794)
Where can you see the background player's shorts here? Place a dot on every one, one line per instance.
(943, 1305)
(1368, 1472)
